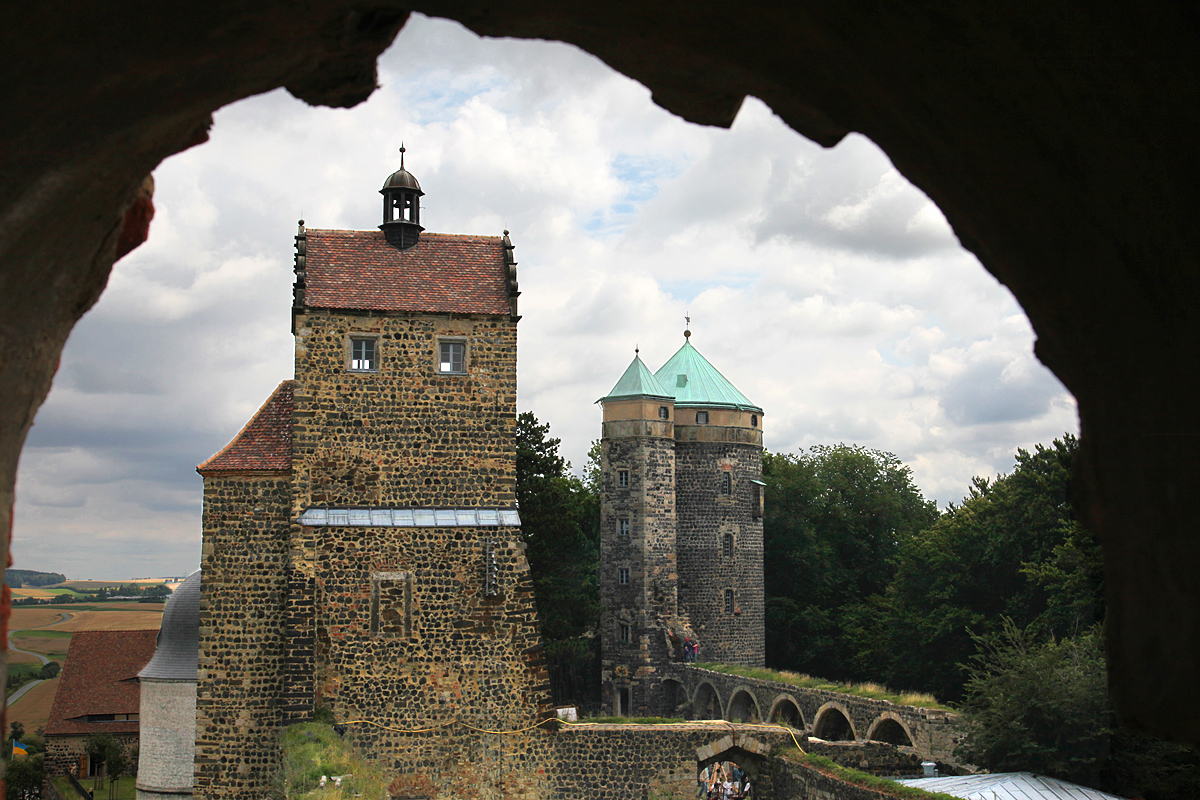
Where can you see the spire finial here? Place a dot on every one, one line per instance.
(636, 350)
(687, 334)
(401, 155)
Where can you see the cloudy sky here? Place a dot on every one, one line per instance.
(822, 284)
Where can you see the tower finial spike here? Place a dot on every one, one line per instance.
(401, 155)
(687, 334)
(636, 350)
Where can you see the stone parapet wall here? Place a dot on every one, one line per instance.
(243, 596)
(794, 781)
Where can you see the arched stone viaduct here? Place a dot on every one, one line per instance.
(833, 716)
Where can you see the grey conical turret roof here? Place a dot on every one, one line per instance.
(175, 658)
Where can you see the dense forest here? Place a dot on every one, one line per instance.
(18, 578)
(994, 605)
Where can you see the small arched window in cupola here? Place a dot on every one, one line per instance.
(401, 208)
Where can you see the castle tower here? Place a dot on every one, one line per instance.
(718, 509)
(637, 579)
(362, 549)
(681, 550)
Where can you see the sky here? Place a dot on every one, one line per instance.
(821, 283)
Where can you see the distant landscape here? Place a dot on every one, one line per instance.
(32, 587)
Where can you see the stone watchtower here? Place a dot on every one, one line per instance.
(681, 549)
(362, 548)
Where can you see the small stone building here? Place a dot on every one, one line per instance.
(97, 693)
(168, 700)
(681, 542)
(361, 548)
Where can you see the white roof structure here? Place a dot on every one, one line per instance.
(1008, 786)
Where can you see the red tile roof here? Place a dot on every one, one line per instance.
(443, 273)
(100, 677)
(265, 444)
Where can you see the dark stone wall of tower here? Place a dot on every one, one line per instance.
(242, 648)
(405, 435)
(648, 604)
(705, 516)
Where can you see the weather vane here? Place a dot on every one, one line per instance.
(687, 334)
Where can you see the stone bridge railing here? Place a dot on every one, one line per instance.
(833, 716)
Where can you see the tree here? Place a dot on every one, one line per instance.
(1038, 707)
(1012, 549)
(99, 746)
(560, 523)
(23, 777)
(835, 518)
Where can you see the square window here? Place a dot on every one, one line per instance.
(364, 355)
(726, 483)
(452, 357)
(727, 545)
(664, 412)
(623, 478)
(623, 527)
(701, 417)
(623, 576)
(624, 633)
(729, 601)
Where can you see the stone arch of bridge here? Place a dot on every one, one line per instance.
(675, 694)
(743, 706)
(833, 724)
(749, 754)
(706, 702)
(891, 728)
(786, 711)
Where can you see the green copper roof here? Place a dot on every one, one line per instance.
(695, 382)
(637, 382)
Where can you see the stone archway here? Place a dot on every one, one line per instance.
(891, 729)
(706, 702)
(674, 695)
(743, 707)
(1084, 223)
(832, 723)
(786, 711)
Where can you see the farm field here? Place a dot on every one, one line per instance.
(48, 631)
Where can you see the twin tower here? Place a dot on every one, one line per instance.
(681, 543)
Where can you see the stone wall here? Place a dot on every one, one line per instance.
(243, 593)
(648, 603)
(639, 761)
(793, 781)
(705, 517)
(404, 435)
(63, 753)
(167, 727)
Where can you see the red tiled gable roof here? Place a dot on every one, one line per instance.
(100, 677)
(442, 274)
(265, 444)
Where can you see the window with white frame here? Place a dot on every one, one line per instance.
(726, 483)
(623, 526)
(727, 545)
(623, 478)
(452, 357)
(623, 576)
(664, 412)
(364, 354)
(701, 417)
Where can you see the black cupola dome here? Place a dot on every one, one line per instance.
(401, 208)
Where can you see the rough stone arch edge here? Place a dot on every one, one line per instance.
(729, 742)
(696, 694)
(894, 717)
(834, 705)
(779, 700)
(728, 714)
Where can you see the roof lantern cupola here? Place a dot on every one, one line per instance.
(401, 208)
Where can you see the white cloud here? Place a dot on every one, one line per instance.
(822, 284)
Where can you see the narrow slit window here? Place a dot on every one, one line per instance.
(623, 478)
(726, 483)
(727, 545)
(624, 630)
(729, 601)
(391, 604)
(364, 355)
(754, 420)
(452, 357)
